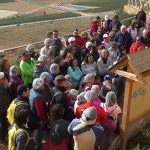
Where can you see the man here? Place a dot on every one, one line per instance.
(124, 40)
(33, 54)
(38, 108)
(45, 50)
(115, 24)
(86, 133)
(56, 42)
(141, 17)
(26, 65)
(58, 93)
(90, 97)
(4, 104)
(40, 67)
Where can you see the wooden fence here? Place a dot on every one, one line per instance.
(138, 3)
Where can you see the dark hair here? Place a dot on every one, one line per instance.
(21, 116)
(57, 59)
(22, 88)
(92, 41)
(87, 56)
(71, 62)
(55, 30)
(2, 64)
(57, 111)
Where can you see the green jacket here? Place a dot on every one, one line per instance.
(27, 70)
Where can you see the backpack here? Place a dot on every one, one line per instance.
(82, 130)
(12, 134)
(55, 135)
(53, 102)
(11, 109)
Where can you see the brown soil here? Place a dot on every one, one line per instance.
(25, 34)
(24, 7)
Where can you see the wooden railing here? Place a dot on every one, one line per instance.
(138, 3)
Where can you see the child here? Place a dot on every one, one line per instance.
(19, 136)
(104, 62)
(114, 53)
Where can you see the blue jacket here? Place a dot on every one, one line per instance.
(76, 75)
(92, 137)
(33, 95)
(124, 41)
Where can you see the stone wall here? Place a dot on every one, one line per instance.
(14, 54)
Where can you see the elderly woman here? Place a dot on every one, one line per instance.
(40, 67)
(15, 81)
(47, 86)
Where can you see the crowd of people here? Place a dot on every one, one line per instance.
(64, 97)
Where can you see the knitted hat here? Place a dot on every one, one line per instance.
(96, 89)
(73, 93)
(71, 39)
(30, 47)
(89, 115)
(2, 75)
(13, 71)
(37, 83)
(80, 97)
(89, 95)
(111, 98)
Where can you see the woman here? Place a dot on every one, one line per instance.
(59, 138)
(132, 29)
(137, 45)
(85, 38)
(14, 81)
(88, 65)
(75, 72)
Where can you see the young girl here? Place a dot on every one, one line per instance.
(88, 65)
(114, 53)
(104, 62)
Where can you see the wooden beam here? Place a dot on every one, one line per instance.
(127, 75)
(126, 113)
(122, 63)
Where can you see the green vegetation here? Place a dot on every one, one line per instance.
(104, 5)
(26, 19)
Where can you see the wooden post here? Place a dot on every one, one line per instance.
(126, 113)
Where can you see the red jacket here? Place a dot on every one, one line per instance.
(40, 109)
(134, 46)
(93, 27)
(101, 115)
(79, 41)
